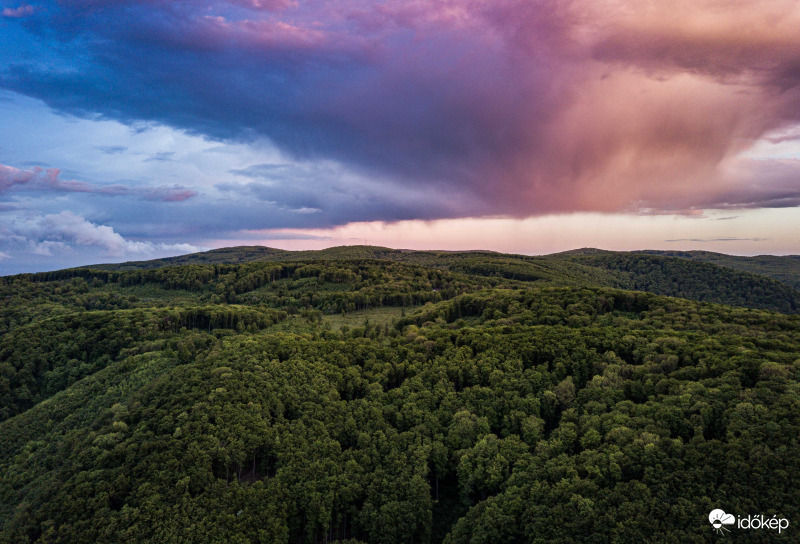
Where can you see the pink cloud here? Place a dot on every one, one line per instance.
(24, 10)
(267, 5)
(10, 176)
(40, 179)
(581, 106)
(168, 194)
(266, 34)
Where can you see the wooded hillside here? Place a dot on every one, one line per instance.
(457, 398)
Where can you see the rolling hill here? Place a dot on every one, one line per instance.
(782, 268)
(756, 282)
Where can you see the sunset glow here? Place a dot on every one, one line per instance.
(137, 129)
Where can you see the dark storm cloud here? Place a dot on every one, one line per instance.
(519, 108)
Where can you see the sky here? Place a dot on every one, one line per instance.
(137, 129)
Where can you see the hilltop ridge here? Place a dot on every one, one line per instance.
(766, 282)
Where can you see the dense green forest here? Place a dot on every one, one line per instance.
(782, 268)
(368, 395)
(766, 282)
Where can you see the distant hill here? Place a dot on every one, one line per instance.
(785, 268)
(695, 280)
(239, 254)
(245, 254)
(766, 282)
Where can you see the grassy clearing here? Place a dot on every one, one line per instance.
(296, 324)
(376, 316)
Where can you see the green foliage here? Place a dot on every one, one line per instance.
(764, 282)
(781, 268)
(461, 398)
(698, 280)
(47, 356)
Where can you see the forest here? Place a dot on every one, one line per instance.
(364, 395)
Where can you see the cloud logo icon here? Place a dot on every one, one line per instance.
(718, 519)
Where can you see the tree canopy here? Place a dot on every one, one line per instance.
(225, 402)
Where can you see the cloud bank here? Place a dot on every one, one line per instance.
(520, 108)
(44, 235)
